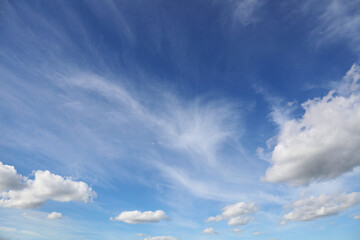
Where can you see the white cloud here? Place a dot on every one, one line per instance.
(45, 186)
(339, 21)
(54, 215)
(313, 208)
(7, 229)
(9, 179)
(244, 11)
(257, 233)
(210, 231)
(236, 230)
(160, 238)
(325, 142)
(194, 132)
(357, 217)
(31, 233)
(239, 220)
(134, 217)
(236, 213)
(198, 127)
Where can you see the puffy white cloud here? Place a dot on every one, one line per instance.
(313, 208)
(54, 215)
(160, 238)
(136, 216)
(236, 213)
(209, 231)
(9, 179)
(257, 233)
(325, 142)
(45, 186)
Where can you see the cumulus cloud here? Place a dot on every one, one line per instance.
(236, 213)
(54, 215)
(210, 231)
(316, 207)
(160, 238)
(136, 216)
(325, 142)
(239, 220)
(45, 186)
(9, 179)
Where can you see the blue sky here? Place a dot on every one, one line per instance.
(173, 120)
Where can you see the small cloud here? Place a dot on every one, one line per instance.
(134, 217)
(257, 233)
(30, 233)
(210, 231)
(7, 229)
(236, 213)
(54, 215)
(316, 207)
(357, 217)
(161, 238)
(236, 230)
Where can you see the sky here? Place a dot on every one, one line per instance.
(180, 120)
